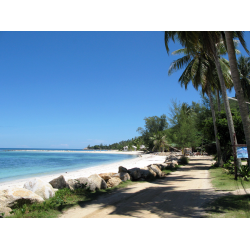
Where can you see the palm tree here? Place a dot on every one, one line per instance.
(209, 40)
(244, 70)
(237, 83)
(199, 66)
(159, 141)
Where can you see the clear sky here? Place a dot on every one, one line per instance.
(71, 89)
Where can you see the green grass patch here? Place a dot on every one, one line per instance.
(233, 206)
(224, 181)
(63, 199)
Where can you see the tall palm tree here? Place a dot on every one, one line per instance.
(200, 70)
(237, 84)
(209, 40)
(244, 70)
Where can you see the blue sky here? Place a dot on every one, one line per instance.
(71, 89)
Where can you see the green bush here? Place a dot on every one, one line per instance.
(183, 160)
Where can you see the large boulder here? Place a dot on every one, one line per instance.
(123, 176)
(81, 182)
(39, 187)
(86, 183)
(106, 176)
(156, 170)
(122, 170)
(59, 182)
(134, 173)
(147, 173)
(114, 181)
(13, 197)
(98, 181)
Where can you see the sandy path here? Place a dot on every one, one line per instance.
(180, 194)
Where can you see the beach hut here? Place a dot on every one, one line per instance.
(125, 148)
(142, 147)
(134, 147)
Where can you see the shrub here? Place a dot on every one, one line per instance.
(183, 160)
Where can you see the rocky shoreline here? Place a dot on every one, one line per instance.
(37, 190)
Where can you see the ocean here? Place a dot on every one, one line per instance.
(16, 165)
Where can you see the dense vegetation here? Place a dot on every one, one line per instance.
(214, 124)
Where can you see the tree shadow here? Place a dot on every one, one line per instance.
(160, 200)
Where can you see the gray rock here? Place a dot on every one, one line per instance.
(59, 182)
(81, 182)
(39, 187)
(122, 170)
(156, 170)
(87, 183)
(123, 176)
(98, 181)
(147, 174)
(134, 173)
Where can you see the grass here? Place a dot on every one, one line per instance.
(223, 181)
(64, 199)
(233, 206)
(230, 206)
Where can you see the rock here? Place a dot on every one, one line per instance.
(122, 169)
(39, 187)
(152, 172)
(98, 181)
(123, 176)
(106, 176)
(156, 170)
(147, 174)
(88, 184)
(175, 163)
(13, 197)
(81, 182)
(114, 181)
(135, 173)
(59, 182)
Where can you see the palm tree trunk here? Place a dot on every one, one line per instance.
(226, 104)
(238, 88)
(218, 100)
(220, 162)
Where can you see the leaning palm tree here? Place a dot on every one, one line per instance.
(209, 40)
(200, 70)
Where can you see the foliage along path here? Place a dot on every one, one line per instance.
(180, 194)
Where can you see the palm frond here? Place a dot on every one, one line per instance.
(178, 64)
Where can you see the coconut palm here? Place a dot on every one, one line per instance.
(159, 141)
(209, 40)
(244, 70)
(237, 83)
(200, 70)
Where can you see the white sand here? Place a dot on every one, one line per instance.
(141, 161)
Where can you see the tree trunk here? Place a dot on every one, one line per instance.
(238, 89)
(226, 102)
(220, 162)
(218, 100)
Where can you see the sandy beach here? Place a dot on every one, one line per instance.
(142, 160)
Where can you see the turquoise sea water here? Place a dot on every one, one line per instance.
(16, 165)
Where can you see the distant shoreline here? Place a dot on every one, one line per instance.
(76, 151)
